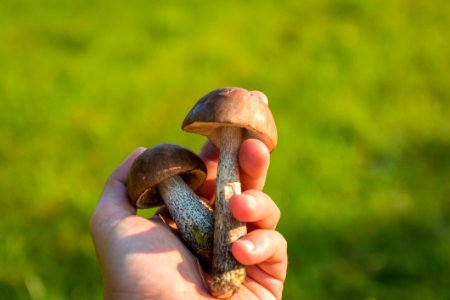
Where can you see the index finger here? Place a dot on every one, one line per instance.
(254, 160)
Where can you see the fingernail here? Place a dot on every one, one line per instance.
(251, 201)
(249, 246)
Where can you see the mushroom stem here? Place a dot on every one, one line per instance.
(227, 273)
(194, 218)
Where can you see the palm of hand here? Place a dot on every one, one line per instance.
(150, 262)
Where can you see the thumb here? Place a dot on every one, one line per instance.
(114, 199)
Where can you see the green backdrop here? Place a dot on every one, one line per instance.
(360, 91)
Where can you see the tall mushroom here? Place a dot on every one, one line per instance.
(168, 174)
(227, 116)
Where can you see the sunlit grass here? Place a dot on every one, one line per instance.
(359, 90)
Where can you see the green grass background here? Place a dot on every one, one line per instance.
(360, 91)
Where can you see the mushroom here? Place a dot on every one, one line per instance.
(227, 116)
(168, 174)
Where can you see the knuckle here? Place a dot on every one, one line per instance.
(280, 240)
(277, 213)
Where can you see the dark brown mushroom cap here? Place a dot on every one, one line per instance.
(232, 107)
(157, 164)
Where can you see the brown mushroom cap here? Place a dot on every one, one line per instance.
(232, 107)
(157, 164)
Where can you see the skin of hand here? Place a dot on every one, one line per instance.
(143, 259)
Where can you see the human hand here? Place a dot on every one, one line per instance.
(143, 259)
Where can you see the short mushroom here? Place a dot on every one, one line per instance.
(168, 174)
(227, 116)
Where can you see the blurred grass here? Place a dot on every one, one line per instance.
(359, 89)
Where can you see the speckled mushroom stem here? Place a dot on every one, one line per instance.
(227, 273)
(194, 218)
